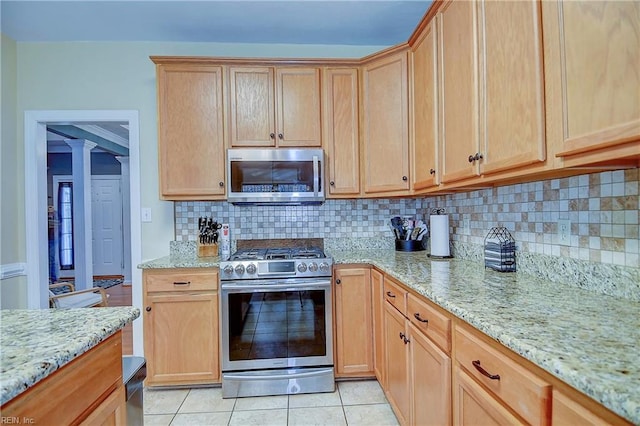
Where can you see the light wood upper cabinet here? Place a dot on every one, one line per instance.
(385, 125)
(424, 117)
(458, 71)
(354, 334)
(341, 131)
(592, 72)
(512, 86)
(274, 106)
(190, 132)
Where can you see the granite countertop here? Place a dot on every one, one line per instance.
(35, 343)
(589, 340)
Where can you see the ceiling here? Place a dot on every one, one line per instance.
(110, 136)
(334, 22)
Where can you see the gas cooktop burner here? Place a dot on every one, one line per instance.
(278, 253)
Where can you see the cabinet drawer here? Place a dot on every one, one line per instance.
(395, 294)
(431, 322)
(187, 280)
(523, 391)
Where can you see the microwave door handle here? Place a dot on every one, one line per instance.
(316, 175)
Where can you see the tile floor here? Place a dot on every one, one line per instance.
(353, 403)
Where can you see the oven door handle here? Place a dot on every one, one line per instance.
(235, 288)
(240, 376)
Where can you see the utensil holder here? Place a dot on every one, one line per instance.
(207, 250)
(409, 245)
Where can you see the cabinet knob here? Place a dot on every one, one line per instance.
(332, 183)
(280, 136)
(471, 158)
(476, 157)
(404, 178)
(432, 171)
(221, 184)
(272, 135)
(338, 281)
(148, 309)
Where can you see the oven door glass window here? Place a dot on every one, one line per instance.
(280, 324)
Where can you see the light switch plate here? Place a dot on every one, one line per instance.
(146, 214)
(564, 232)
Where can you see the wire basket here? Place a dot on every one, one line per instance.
(500, 250)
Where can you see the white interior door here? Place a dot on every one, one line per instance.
(106, 215)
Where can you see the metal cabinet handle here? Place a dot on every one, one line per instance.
(182, 283)
(404, 338)
(221, 184)
(332, 183)
(391, 294)
(476, 157)
(404, 178)
(484, 372)
(471, 158)
(148, 309)
(272, 135)
(419, 318)
(432, 171)
(280, 136)
(338, 281)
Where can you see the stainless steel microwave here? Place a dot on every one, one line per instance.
(281, 176)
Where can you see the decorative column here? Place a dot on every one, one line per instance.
(82, 226)
(126, 217)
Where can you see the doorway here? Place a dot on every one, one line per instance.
(35, 140)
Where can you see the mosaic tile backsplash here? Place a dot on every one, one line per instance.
(603, 209)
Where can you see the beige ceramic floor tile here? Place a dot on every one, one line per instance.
(367, 415)
(261, 403)
(315, 400)
(163, 401)
(361, 392)
(206, 400)
(209, 419)
(317, 416)
(259, 418)
(158, 419)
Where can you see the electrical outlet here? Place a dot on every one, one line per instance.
(564, 232)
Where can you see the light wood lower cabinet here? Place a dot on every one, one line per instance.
(88, 390)
(397, 367)
(181, 326)
(568, 412)
(377, 305)
(353, 330)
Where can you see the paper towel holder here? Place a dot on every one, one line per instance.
(439, 211)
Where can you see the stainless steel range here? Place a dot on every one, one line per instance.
(276, 322)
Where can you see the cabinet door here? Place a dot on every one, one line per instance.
(181, 338)
(425, 110)
(252, 100)
(459, 90)
(397, 363)
(430, 381)
(599, 61)
(566, 412)
(385, 125)
(341, 134)
(191, 136)
(377, 304)
(512, 116)
(354, 335)
(298, 106)
(474, 406)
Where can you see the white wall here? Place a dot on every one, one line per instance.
(13, 291)
(102, 76)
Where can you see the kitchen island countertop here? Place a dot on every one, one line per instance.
(35, 343)
(589, 340)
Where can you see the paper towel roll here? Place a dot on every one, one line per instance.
(439, 235)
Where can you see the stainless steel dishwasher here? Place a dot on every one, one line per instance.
(134, 371)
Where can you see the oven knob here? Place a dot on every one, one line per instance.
(302, 267)
(324, 267)
(239, 269)
(313, 267)
(251, 268)
(228, 270)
